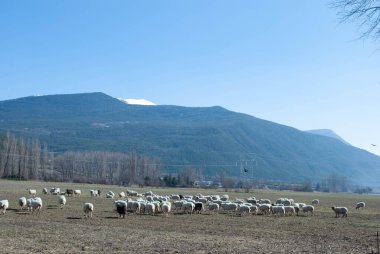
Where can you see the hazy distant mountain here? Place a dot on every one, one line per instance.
(213, 139)
(328, 133)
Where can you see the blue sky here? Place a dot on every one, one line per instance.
(290, 62)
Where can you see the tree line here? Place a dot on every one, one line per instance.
(28, 159)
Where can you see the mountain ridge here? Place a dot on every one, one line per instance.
(219, 139)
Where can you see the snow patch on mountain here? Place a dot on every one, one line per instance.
(138, 102)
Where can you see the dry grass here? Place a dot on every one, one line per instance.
(65, 230)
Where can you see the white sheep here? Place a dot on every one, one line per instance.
(4, 204)
(150, 208)
(340, 210)
(165, 208)
(36, 205)
(122, 194)
(188, 207)
(264, 208)
(315, 202)
(244, 209)
(278, 210)
(110, 194)
(61, 201)
(213, 207)
(77, 192)
(360, 205)
(32, 192)
(88, 209)
(308, 209)
(289, 210)
(22, 202)
(45, 191)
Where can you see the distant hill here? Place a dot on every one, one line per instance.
(328, 133)
(213, 139)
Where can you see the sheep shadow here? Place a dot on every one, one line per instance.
(74, 218)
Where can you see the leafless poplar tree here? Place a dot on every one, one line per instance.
(365, 12)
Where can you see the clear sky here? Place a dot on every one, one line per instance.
(290, 62)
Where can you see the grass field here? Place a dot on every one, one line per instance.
(66, 230)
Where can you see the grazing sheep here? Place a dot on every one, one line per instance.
(70, 192)
(315, 202)
(32, 192)
(77, 192)
(150, 208)
(198, 207)
(22, 202)
(308, 209)
(4, 204)
(244, 209)
(224, 197)
(29, 204)
(289, 210)
(264, 208)
(165, 208)
(121, 208)
(188, 207)
(94, 193)
(88, 209)
(360, 205)
(36, 205)
(340, 210)
(213, 207)
(278, 209)
(55, 191)
(61, 201)
(45, 191)
(264, 201)
(122, 194)
(110, 194)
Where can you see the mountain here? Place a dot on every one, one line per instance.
(213, 139)
(328, 133)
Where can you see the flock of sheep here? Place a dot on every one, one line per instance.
(150, 203)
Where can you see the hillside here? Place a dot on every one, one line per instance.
(213, 138)
(328, 133)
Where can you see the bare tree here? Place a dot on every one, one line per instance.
(366, 12)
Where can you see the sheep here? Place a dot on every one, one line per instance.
(252, 201)
(4, 204)
(264, 201)
(340, 210)
(94, 193)
(244, 209)
(213, 207)
(224, 197)
(231, 207)
(360, 205)
(22, 202)
(308, 209)
(289, 210)
(253, 209)
(88, 209)
(55, 191)
(315, 202)
(278, 209)
(32, 192)
(121, 208)
(45, 191)
(165, 208)
(198, 207)
(264, 208)
(70, 192)
(61, 201)
(29, 204)
(122, 194)
(175, 197)
(77, 192)
(36, 205)
(188, 207)
(110, 194)
(150, 208)
(178, 205)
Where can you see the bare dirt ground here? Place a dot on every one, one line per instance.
(66, 230)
